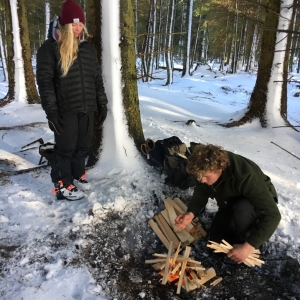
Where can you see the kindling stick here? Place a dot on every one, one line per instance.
(286, 150)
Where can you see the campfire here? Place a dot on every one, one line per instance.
(186, 272)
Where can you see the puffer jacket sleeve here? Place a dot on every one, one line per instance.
(100, 91)
(45, 75)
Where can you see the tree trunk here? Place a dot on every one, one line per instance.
(264, 99)
(169, 56)
(32, 94)
(186, 56)
(10, 52)
(129, 76)
(286, 65)
(93, 22)
(2, 46)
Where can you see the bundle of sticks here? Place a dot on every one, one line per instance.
(251, 261)
(182, 269)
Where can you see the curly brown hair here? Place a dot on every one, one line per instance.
(207, 158)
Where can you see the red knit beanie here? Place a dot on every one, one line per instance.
(71, 12)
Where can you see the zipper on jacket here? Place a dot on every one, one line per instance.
(82, 83)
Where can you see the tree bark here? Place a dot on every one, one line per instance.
(93, 23)
(32, 94)
(129, 76)
(258, 100)
(10, 52)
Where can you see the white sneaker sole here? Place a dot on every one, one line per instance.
(82, 186)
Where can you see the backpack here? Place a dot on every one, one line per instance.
(170, 155)
(46, 150)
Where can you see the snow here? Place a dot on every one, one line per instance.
(33, 221)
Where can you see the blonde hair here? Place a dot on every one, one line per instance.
(68, 46)
(207, 158)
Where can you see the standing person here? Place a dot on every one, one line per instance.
(71, 90)
(248, 213)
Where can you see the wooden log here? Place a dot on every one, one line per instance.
(176, 268)
(210, 273)
(184, 236)
(215, 282)
(172, 214)
(166, 273)
(160, 226)
(159, 266)
(182, 206)
(186, 255)
(168, 231)
(159, 233)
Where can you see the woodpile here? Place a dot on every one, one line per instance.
(182, 269)
(251, 261)
(166, 230)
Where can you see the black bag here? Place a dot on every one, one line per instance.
(46, 150)
(171, 155)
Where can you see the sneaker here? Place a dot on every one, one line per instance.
(69, 192)
(81, 183)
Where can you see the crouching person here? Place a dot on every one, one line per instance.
(247, 200)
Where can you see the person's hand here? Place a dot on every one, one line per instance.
(102, 113)
(183, 220)
(56, 124)
(240, 252)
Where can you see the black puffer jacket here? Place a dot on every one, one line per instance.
(81, 90)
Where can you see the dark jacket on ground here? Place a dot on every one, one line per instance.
(81, 90)
(242, 178)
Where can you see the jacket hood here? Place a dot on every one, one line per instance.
(54, 28)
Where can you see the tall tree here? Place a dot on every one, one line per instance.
(186, 56)
(265, 101)
(119, 71)
(93, 20)
(10, 51)
(129, 76)
(32, 95)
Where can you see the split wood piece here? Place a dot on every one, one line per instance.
(185, 237)
(176, 268)
(174, 257)
(172, 214)
(159, 266)
(165, 278)
(159, 233)
(251, 261)
(210, 273)
(166, 229)
(179, 259)
(182, 208)
(178, 211)
(182, 272)
(215, 282)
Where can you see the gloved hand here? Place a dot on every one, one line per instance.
(56, 124)
(102, 113)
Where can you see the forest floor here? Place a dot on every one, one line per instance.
(116, 258)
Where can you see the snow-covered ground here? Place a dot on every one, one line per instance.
(40, 237)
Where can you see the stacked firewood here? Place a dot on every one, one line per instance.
(251, 261)
(166, 230)
(186, 272)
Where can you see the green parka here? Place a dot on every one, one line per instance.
(242, 178)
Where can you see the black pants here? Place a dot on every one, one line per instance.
(234, 223)
(71, 149)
